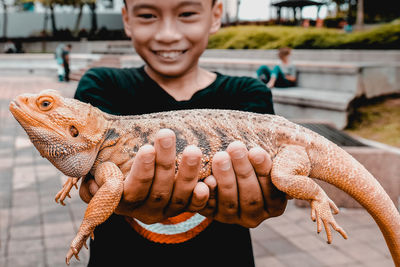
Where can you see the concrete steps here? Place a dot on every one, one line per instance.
(40, 63)
(112, 61)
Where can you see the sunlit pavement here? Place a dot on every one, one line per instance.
(36, 231)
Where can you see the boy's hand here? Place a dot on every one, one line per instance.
(246, 195)
(151, 192)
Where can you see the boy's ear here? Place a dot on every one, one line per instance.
(125, 19)
(216, 17)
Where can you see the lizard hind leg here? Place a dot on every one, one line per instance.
(290, 170)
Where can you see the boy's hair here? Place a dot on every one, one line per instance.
(284, 52)
(213, 2)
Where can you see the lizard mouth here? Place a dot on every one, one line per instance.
(14, 106)
(17, 111)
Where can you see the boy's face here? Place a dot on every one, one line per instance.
(170, 35)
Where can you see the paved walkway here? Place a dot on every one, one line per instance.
(35, 231)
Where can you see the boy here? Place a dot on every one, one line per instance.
(282, 75)
(170, 36)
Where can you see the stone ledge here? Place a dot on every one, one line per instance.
(313, 98)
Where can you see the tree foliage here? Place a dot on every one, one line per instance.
(374, 11)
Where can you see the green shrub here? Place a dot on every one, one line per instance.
(386, 36)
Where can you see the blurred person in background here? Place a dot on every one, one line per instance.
(282, 75)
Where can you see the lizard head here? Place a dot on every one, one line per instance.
(65, 131)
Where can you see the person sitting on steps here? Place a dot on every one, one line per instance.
(282, 75)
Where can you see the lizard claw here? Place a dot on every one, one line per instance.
(321, 213)
(71, 252)
(77, 243)
(64, 192)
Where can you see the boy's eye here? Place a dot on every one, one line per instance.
(187, 14)
(146, 16)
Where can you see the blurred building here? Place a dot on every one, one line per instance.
(231, 10)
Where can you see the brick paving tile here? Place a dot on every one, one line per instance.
(268, 262)
(22, 215)
(299, 259)
(280, 246)
(259, 250)
(308, 242)
(289, 229)
(264, 233)
(56, 228)
(361, 251)
(329, 256)
(25, 260)
(32, 231)
(379, 263)
(28, 246)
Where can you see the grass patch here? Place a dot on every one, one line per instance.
(386, 36)
(378, 121)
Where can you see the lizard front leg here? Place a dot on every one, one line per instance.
(64, 192)
(290, 170)
(101, 206)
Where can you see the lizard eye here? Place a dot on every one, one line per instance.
(73, 131)
(45, 103)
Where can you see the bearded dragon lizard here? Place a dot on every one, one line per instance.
(78, 138)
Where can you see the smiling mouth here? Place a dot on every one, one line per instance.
(170, 55)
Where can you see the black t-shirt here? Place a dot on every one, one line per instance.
(131, 92)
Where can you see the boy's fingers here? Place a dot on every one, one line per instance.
(227, 206)
(260, 160)
(138, 182)
(93, 187)
(87, 189)
(250, 195)
(186, 180)
(274, 200)
(200, 196)
(164, 175)
(211, 204)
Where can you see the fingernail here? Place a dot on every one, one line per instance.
(225, 165)
(191, 161)
(148, 158)
(239, 154)
(259, 159)
(166, 142)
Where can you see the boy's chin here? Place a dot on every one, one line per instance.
(169, 71)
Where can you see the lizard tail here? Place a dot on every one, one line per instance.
(340, 169)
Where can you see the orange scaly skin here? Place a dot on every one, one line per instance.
(78, 138)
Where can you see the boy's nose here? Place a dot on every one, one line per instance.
(168, 33)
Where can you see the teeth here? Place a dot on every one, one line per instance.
(169, 54)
